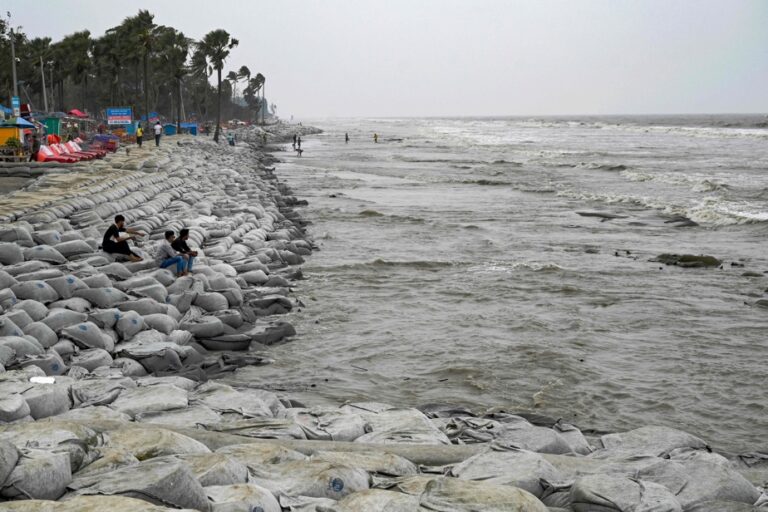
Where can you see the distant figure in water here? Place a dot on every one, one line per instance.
(376, 138)
(298, 143)
(294, 141)
(346, 138)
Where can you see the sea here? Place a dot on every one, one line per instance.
(508, 264)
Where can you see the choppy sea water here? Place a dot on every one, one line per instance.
(454, 267)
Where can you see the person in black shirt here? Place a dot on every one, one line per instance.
(114, 243)
(180, 244)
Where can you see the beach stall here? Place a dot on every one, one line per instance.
(190, 128)
(169, 129)
(14, 145)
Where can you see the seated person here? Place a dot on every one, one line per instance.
(166, 255)
(180, 244)
(114, 243)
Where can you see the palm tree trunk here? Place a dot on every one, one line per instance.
(146, 84)
(178, 105)
(218, 108)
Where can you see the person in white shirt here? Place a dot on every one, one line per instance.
(158, 131)
(166, 255)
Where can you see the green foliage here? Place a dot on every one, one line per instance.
(135, 63)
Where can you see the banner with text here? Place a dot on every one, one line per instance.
(122, 115)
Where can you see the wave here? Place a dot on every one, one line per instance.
(505, 268)
(382, 263)
(484, 182)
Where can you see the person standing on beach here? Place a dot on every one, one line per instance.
(376, 138)
(158, 132)
(139, 135)
(298, 143)
(294, 141)
(346, 138)
(114, 243)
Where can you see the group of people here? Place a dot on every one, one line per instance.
(158, 129)
(171, 251)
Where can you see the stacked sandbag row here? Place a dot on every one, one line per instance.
(140, 445)
(68, 305)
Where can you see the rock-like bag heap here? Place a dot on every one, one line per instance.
(131, 421)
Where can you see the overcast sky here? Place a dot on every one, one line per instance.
(468, 57)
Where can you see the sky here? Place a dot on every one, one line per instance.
(376, 58)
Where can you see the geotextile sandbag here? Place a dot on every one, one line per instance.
(50, 362)
(94, 392)
(310, 478)
(372, 462)
(19, 317)
(241, 498)
(509, 466)
(91, 359)
(213, 468)
(77, 304)
(211, 301)
(88, 335)
(39, 474)
(6, 279)
(22, 347)
(36, 310)
(9, 328)
(44, 253)
(167, 483)
(10, 254)
(610, 493)
(73, 248)
(327, 423)
(59, 318)
(149, 442)
(649, 440)
(143, 306)
(13, 407)
(102, 297)
(129, 324)
(65, 286)
(35, 290)
(450, 494)
(161, 397)
(162, 323)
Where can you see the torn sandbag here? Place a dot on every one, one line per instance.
(161, 397)
(327, 423)
(310, 478)
(149, 442)
(166, 483)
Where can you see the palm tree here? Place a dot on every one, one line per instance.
(214, 49)
(174, 51)
(233, 78)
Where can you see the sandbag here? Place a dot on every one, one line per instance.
(35, 290)
(255, 277)
(65, 286)
(223, 398)
(116, 270)
(73, 248)
(241, 498)
(393, 425)
(71, 438)
(94, 392)
(38, 475)
(450, 494)
(36, 310)
(48, 236)
(509, 466)
(9, 328)
(104, 318)
(162, 323)
(44, 253)
(10, 254)
(166, 483)
(13, 407)
(214, 468)
(59, 318)
(149, 442)
(162, 397)
(203, 327)
(7, 298)
(144, 306)
(102, 297)
(74, 304)
(211, 301)
(309, 478)
(650, 440)
(97, 281)
(156, 292)
(88, 335)
(617, 494)
(328, 424)
(51, 363)
(19, 317)
(129, 324)
(372, 462)
(91, 359)
(6, 279)
(22, 347)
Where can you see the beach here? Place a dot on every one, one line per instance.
(419, 323)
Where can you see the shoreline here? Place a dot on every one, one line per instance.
(255, 243)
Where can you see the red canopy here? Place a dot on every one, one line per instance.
(77, 113)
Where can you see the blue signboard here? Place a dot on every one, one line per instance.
(122, 115)
(16, 106)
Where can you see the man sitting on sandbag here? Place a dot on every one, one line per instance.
(166, 255)
(114, 243)
(180, 244)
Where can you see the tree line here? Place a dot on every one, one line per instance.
(138, 63)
